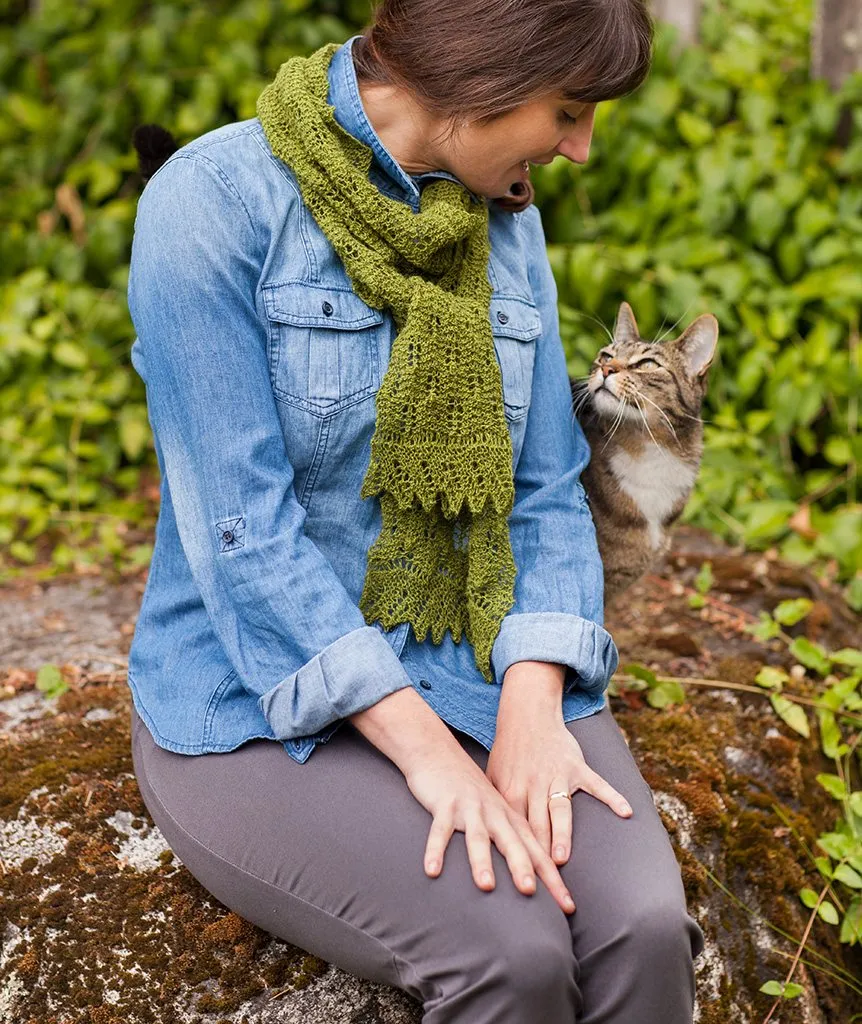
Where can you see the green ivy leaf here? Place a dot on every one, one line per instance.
(50, 681)
(851, 926)
(770, 676)
(808, 897)
(811, 655)
(844, 873)
(791, 713)
(788, 613)
(827, 911)
(785, 989)
(833, 785)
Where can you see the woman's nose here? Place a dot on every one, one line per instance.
(576, 147)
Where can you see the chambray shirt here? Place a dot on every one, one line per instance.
(262, 366)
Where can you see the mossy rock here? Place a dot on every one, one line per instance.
(103, 925)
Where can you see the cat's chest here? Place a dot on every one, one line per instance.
(656, 481)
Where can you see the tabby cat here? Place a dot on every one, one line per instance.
(640, 410)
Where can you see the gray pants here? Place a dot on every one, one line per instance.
(328, 855)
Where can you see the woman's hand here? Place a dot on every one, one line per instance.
(534, 755)
(459, 796)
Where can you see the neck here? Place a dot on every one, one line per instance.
(404, 127)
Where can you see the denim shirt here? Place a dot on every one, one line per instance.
(261, 366)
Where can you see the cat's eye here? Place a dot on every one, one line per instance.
(646, 362)
(604, 355)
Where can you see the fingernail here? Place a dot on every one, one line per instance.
(528, 882)
(433, 865)
(486, 878)
(569, 902)
(559, 852)
(626, 809)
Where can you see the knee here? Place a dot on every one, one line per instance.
(534, 962)
(661, 931)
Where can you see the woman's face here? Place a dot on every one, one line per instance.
(489, 158)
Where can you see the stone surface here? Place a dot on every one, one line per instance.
(101, 923)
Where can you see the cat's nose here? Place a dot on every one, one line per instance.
(611, 366)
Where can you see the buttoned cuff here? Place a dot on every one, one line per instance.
(583, 646)
(349, 675)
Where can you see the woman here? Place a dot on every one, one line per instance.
(377, 216)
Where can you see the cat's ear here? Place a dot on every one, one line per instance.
(626, 328)
(696, 345)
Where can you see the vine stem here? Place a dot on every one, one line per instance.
(723, 684)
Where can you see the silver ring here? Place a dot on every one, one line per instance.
(560, 793)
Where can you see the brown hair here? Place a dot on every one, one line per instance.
(475, 60)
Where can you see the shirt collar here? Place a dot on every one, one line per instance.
(350, 114)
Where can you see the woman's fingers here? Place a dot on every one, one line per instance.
(548, 871)
(478, 842)
(594, 784)
(559, 812)
(439, 835)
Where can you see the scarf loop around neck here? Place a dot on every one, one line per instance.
(441, 454)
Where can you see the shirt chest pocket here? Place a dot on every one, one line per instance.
(324, 345)
(516, 327)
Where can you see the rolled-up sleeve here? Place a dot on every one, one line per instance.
(291, 630)
(559, 589)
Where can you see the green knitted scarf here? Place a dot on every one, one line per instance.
(441, 455)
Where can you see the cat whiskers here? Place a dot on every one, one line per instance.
(662, 451)
(580, 312)
(640, 394)
(582, 398)
(657, 340)
(617, 421)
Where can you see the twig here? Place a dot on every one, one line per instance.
(724, 685)
(798, 953)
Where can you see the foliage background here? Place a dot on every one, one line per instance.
(718, 187)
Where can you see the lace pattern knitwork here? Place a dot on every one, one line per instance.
(441, 454)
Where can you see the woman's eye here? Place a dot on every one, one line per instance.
(567, 118)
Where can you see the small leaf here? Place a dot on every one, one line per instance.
(824, 866)
(844, 873)
(847, 656)
(827, 911)
(830, 734)
(788, 613)
(833, 785)
(851, 927)
(808, 897)
(641, 672)
(703, 581)
(791, 713)
(50, 681)
(765, 629)
(769, 676)
(785, 989)
(811, 655)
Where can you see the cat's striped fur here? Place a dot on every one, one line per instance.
(640, 407)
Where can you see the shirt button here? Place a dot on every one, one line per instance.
(297, 744)
(327, 308)
(227, 535)
(424, 684)
(502, 317)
